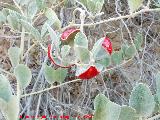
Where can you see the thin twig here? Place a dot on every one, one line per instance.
(2, 70)
(50, 88)
(115, 18)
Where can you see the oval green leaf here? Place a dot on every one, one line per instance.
(134, 5)
(82, 54)
(5, 88)
(81, 40)
(23, 75)
(94, 6)
(117, 57)
(105, 109)
(142, 100)
(29, 28)
(130, 52)
(128, 113)
(52, 75)
(10, 109)
(14, 55)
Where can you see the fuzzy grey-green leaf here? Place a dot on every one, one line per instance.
(14, 55)
(13, 22)
(5, 88)
(23, 75)
(94, 6)
(100, 105)
(53, 36)
(65, 50)
(142, 100)
(41, 4)
(105, 62)
(157, 105)
(32, 9)
(52, 16)
(128, 113)
(82, 54)
(117, 57)
(48, 73)
(81, 40)
(157, 78)
(10, 109)
(52, 75)
(29, 28)
(134, 5)
(2, 17)
(130, 52)
(98, 51)
(105, 109)
(60, 74)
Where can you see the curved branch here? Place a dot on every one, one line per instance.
(115, 18)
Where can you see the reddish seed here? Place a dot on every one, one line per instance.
(67, 33)
(107, 45)
(89, 73)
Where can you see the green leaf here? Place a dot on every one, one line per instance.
(81, 69)
(130, 52)
(45, 27)
(65, 50)
(105, 109)
(41, 4)
(23, 75)
(29, 28)
(17, 1)
(32, 9)
(60, 74)
(105, 62)
(5, 12)
(157, 78)
(69, 3)
(51, 15)
(14, 55)
(13, 22)
(82, 54)
(98, 51)
(10, 109)
(113, 111)
(49, 74)
(157, 105)
(142, 100)
(24, 2)
(94, 6)
(5, 88)
(2, 17)
(81, 40)
(99, 67)
(17, 15)
(100, 105)
(117, 57)
(134, 5)
(52, 75)
(128, 113)
(123, 49)
(53, 36)
(138, 41)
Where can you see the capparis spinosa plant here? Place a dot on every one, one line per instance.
(69, 48)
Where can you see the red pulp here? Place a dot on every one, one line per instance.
(89, 73)
(67, 33)
(107, 45)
